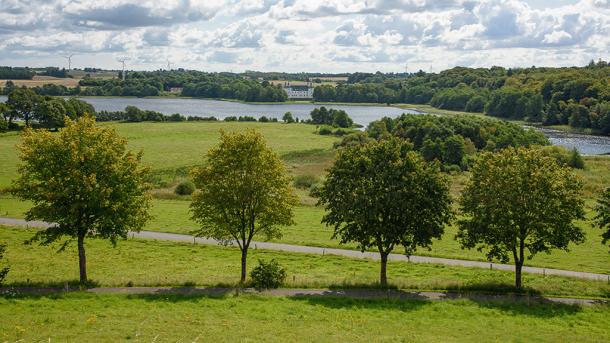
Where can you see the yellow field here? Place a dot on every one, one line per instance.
(43, 80)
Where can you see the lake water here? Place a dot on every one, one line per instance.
(363, 115)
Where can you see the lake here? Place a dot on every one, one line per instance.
(363, 115)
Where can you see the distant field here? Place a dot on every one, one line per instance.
(114, 318)
(43, 80)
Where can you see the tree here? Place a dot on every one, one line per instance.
(287, 118)
(603, 214)
(242, 192)
(85, 181)
(382, 194)
(520, 199)
(3, 271)
(22, 102)
(50, 113)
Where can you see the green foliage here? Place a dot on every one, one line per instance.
(336, 118)
(267, 275)
(381, 195)
(3, 125)
(287, 118)
(243, 191)
(450, 139)
(576, 160)
(325, 130)
(520, 200)
(83, 179)
(564, 157)
(22, 103)
(603, 214)
(305, 181)
(3, 270)
(185, 188)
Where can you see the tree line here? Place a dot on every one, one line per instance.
(575, 96)
(381, 194)
(48, 112)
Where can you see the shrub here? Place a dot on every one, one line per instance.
(3, 125)
(185, 188)
(305, 181)
(325, 130)
(267, 275)
(576, 160)
(340, 132)
(3, 271)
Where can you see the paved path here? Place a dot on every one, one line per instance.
(341, 293)
(339, 252)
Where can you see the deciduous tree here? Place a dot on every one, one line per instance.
(242, 192)
(603, 214)
(84, 181)
(382, 195)
(520, 201)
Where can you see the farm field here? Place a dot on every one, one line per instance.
(171, 149)
(138, 262)
(43, 80)
(111, 318)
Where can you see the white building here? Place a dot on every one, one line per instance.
(298, 91)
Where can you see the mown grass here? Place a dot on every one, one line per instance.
(136, 262)
(112, 318)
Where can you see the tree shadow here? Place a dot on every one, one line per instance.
(178, 294)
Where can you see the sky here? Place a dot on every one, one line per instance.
(304, 35)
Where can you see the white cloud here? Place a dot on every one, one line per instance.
(325, 35)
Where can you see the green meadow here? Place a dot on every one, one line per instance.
(141, 262)
(172, 149)
(112, 318)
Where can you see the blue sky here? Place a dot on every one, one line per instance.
(304, 35)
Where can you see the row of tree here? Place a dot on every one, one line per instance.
(380, 194)
(49, 112)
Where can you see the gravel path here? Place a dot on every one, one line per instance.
(338, 252)
(341, 293)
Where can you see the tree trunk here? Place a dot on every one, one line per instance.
(244, 254)
(82, 259)
(383, 278)
(518, 267)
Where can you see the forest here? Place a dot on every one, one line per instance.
(574, 96)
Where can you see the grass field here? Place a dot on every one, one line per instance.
(173, 148)
(112, 318)
(158, 263)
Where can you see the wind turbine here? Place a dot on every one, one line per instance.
(69, 58)
(123, 60)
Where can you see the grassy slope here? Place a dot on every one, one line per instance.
(157, 263)
(112, 318)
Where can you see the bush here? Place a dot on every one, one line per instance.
(185, 188)
(576, 160)
(3, 125)
(305, 181)
(4, 270)
(325, 130)
(268, 275)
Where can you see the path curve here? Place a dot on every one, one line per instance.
(338, 252)
(297, 292)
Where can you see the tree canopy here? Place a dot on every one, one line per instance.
(84, 181)
(603, 214)
(383, 195)
(519, 200)
(243, 191)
